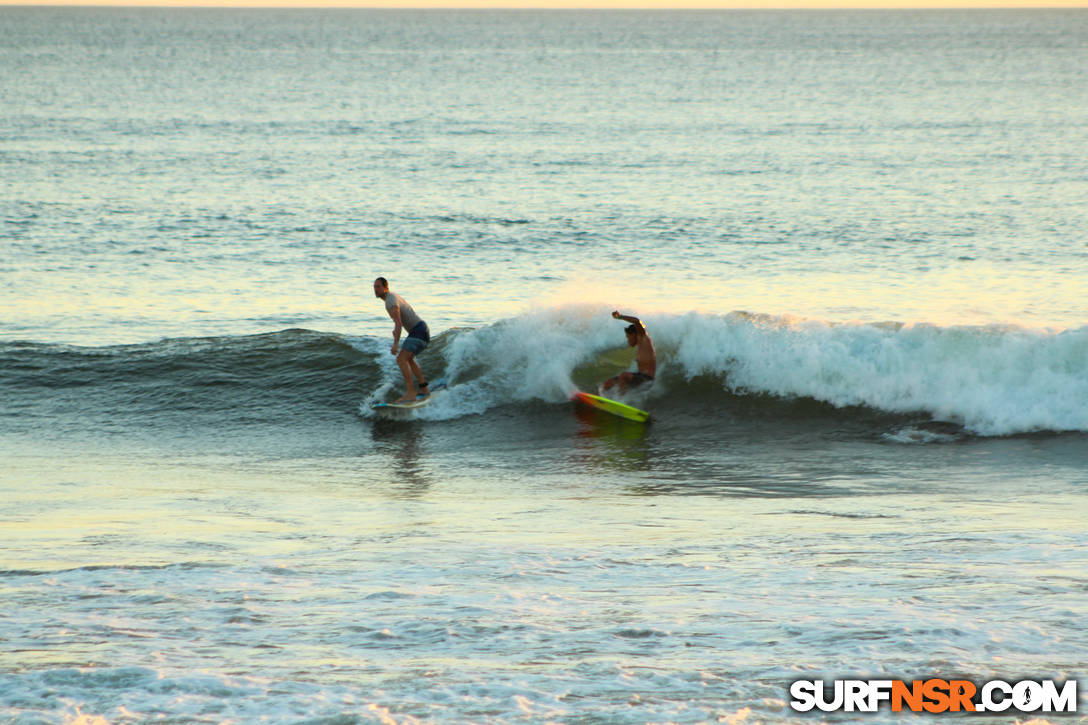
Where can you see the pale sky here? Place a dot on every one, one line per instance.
(570, 4)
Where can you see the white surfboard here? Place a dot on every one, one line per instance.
(436, 386)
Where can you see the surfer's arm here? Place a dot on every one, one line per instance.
(394, 314)
(629, 318)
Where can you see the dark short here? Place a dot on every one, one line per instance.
(636, 378)
(418, 339)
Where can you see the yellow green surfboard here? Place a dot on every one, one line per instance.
(612, 406)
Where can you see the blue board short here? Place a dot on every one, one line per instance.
(418, 339)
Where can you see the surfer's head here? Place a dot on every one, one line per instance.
(381, 287)
(632, 334)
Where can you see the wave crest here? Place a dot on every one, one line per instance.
(992, 380)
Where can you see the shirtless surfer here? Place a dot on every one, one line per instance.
(646, 356)
(405, 318)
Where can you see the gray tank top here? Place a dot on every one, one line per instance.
(408, 316)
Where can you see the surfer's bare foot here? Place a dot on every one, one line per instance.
(406, 399)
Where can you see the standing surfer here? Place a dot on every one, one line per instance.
(646, 356)
(419, 335)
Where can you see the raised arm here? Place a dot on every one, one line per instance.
(628, 318)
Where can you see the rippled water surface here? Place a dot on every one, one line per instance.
(858, 240)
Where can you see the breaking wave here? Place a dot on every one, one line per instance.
(989, 380)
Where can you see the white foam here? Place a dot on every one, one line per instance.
(993, 380)
(912, 435)
(526, 358)
(379, 350)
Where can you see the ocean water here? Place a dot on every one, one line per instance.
(858, 239)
